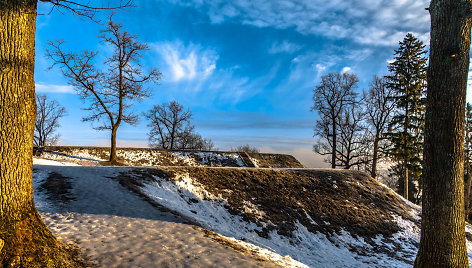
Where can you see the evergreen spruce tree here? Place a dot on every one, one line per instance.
(408, 80)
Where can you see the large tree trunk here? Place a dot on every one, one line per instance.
(443, 241)
(24, 239)
(113, 157)
(467, 185)
(375, 157)
(405, 152)
(405, 181)
(333, 153)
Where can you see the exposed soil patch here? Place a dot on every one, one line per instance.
(58, 189)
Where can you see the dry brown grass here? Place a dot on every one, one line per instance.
(334, 200)
(157, 157)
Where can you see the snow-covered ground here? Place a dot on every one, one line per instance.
(116, 228)
(303, 249)
(93, 157)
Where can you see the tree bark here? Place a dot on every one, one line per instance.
(113, 157)
(17, 108)
(25, 237)
(405, 181)
(373, 172)
(467, 185)
(333, 154)
(443, 242)
(405, 152)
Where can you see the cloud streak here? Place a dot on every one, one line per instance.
(186, 62)
(50, 88)
(244, 121)
(368, 22)
(284, 47)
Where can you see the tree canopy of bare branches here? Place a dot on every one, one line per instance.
(245, 148)
(85, 9)
(171, 128)
(48, 114)
(112, 92)
(353, 146)
(330, 99)
(379, 107)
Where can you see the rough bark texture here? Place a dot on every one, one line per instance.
(443, 241)
(405, 181)
(25, 240)
(375, 157)
(333, 154)
(405, 160)
(113, 157)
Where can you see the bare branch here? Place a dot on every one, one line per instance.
(86, 10)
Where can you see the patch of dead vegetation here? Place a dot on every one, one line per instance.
(324, 201)
(158, 157)
(57, 188)
(275, 160)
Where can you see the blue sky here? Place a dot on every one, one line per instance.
(245, 68)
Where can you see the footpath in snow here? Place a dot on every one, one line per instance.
(116, 228)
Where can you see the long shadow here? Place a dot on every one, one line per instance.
(95, 190)
(73, 156)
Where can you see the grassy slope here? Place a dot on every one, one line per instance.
(332, 199)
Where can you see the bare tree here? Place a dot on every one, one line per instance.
(84, 9)
(443, 238)
(167, 122)
(110, 93)
(379, 105)
(352, 147)
(245, 148)
(48, 114)
(25, 240)
(330, 98)
(188, 139)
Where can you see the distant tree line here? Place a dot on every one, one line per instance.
(171, 128)
(384, 123)
(245, 148)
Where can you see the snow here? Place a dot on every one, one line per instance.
(131, 157)
(116, 228)
(305, 248)
(41, 161)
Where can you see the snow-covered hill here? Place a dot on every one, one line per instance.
(92, 156)
(292, 217)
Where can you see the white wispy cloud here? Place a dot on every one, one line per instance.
(346, 69)
(191, 72)
(50, 88)
(370, 22)
(284, 47)
(186, 62)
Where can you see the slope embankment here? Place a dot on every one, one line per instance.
(86, 155)
(321, 218)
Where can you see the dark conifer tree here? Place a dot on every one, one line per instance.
(408, 80)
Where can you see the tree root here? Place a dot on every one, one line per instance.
(29, 243)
